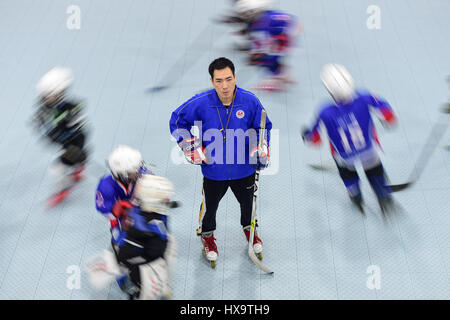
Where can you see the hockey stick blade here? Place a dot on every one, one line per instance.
(251, 251)
(157, 88)
(400, 187)
(254, 258)
(320, 167)
(174, 204)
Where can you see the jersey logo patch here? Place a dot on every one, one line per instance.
(240, 114)
(99, 200)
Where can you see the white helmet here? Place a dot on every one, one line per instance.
(153, 193)
(125, 161)
(338, 82)
(252, 6)
(55, 82)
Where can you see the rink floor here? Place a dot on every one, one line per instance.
(318, 245)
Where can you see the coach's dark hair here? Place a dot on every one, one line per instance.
(219, 64)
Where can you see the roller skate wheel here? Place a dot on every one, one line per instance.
(213, 264)
(259, 255)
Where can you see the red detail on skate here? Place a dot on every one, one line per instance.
(256, 239)
(210, 244)
(57, 198)
(77, 175)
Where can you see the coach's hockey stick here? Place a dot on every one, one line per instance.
(251, 251)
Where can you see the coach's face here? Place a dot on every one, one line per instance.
(224, 81)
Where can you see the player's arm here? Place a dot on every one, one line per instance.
(107, 205)
(382, 110)
(76, 117)
(311, 135)
(180, 124)
(261, 156)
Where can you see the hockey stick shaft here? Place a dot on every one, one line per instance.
(173, 72)
(251, 251)
(436, 133)
(427, 151)
(432, 142)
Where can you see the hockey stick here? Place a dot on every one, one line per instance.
(432, 142)
(172, 74)
(427, 151)
(251, 251)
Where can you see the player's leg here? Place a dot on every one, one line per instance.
(213, 191)
(130, 281)
(154, 280)
(76, 155)
(243, 190)
(351, 181)
(377, 178)
(275, 78)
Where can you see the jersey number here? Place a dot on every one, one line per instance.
(356, 136)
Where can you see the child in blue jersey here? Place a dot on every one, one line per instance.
(270, 33)
(351, 132)
(114, 192)
(147, 251)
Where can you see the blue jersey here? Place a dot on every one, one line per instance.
(142, 224)
(110, 190)
(144, 235)
(350, 127)
(230, 155)
(272, 33)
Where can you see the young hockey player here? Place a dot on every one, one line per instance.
(228, 161)
(352, 134)
(270, 34)
(115, 190)
(146, 249)
(61, 120)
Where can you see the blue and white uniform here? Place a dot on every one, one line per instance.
(233, 122)
(350, 128)
(271, 35)
(109, 191)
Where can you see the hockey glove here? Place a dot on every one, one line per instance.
(121, 208)
(193, 150)
(304, 132)
(310, 137)
(260, 157)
